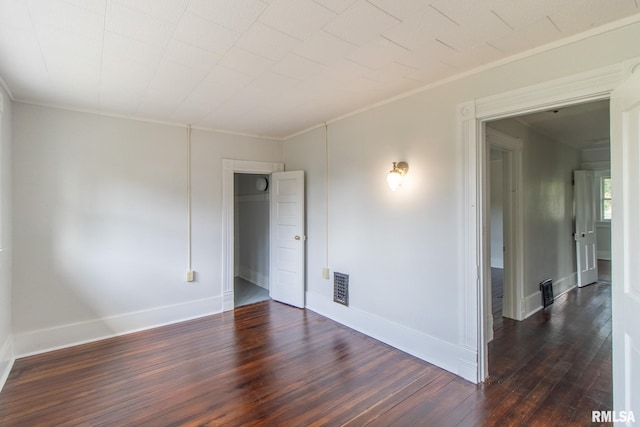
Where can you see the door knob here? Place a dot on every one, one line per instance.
(297, 237)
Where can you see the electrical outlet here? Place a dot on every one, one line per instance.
(325, 273)
(190, 275)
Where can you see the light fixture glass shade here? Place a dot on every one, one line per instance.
(262, 184)
(394, 179)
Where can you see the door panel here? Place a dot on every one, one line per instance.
(625, 227)
(585, 235)
(288, 241)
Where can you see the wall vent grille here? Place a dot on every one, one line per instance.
(546, 287)
(341, 288)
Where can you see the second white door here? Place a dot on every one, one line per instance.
(585, 235)
(287, 238)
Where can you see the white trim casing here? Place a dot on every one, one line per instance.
(7, 359)
(594, 85)
(469, 310)
(230, 167)
(584, 87)
(513, 222)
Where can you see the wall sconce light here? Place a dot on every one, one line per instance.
(394, 179)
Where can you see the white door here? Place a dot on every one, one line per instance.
(585, 235)
(287, 238)
(625, 227)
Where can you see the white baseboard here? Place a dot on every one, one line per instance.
(457, 359)
(605, 255)
(228, 302)
(533, 302)
(7, 358)
(43, 340)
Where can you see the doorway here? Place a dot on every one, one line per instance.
(287, 231)
(231, 167)
(503, 281)
(616, 82)
(556, 143)
(251, 238)
(498, 248)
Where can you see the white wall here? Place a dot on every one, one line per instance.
(603, 236)
(251, 242)
(596, 157)
(404, 250)
(101, 225)
(6, 338)
(308, 154)
(496, 191)
(549, 248)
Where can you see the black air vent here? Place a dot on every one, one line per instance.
(546, 287)
(341, 288)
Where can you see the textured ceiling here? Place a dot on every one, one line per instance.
(265, 67)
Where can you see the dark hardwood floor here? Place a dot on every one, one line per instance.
(270, 364)
(497, 295)
(554, 368)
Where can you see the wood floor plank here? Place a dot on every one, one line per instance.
(423, 397)
(438, 410)
(270, 364)
(386, 402)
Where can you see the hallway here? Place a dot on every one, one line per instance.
(556, 365)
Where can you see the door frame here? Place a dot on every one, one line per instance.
(229, 168)
(594, 85)
(626, 298)
(513, 230)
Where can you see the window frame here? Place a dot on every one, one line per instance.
(601, 176)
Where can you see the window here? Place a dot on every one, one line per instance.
(605, 198)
